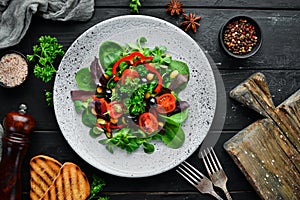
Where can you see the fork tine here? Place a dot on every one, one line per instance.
(216, 158)
(191, 167)
(212, 159)
(186, 178)
(208, 160)
(205, 163)
(189, 175)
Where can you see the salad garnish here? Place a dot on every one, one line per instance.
(130, 93)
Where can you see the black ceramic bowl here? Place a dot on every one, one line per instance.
(13, 69)
(239, 32)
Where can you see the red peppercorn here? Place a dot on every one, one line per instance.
(240, 37)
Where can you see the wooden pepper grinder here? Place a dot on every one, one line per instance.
(15, 142)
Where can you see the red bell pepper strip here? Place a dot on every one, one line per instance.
(102, 108)
(130, 59)
(153, 70)
(109, 126)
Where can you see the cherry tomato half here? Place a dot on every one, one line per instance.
(148, 122)
(166, 103)
(116, 109)
(129, 73)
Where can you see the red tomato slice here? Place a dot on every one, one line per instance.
(166, 103)
(148, 122)
(129, 73)
(116, 109)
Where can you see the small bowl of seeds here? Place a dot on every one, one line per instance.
(13, 69)
(240, 37)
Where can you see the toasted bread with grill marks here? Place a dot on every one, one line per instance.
(43, 171)
(70, 184)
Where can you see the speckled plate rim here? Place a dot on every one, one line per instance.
(200, 93)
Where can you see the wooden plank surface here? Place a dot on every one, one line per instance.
(267, 151)
(54, 144)
(278, 59)
(277, 52)
(289, 4)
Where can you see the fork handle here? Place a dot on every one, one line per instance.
(227, 194)
(213, 193)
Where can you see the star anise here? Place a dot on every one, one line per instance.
(191, 22)
(175, 7)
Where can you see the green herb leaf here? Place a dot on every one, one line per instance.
(134, 6)
(177, 118)
(79, 106)
(49, 98)
(180, 66)
(30, 57)
(109, 53)
(88, 118)
(96, 187)
(127, 139)
(45, 73)
(174, 136)
(84, 80)
(45, 53)
(141, 41)
(103, 198)
(95, 132)
(148, 148)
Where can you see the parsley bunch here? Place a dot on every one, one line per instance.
(96, 187)
(45, 54)
(137, 104)
(135, 93)
(134, 6)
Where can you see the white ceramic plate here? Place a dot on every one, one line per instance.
(200, 93)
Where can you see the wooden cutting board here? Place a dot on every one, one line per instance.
(268, 151)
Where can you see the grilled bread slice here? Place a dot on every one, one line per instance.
(43, 171)
(71, 183)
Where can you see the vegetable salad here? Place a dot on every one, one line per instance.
(130, 95)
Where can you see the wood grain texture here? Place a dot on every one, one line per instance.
(193, 195)
(289, 4)
(266, 166)
(52, 143)
(280, 51)
(267, 151)
(278, 59)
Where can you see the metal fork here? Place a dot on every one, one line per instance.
(215, 170)
(197, 179)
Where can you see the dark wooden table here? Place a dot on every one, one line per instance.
(278, 59)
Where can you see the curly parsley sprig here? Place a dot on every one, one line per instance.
(134, 6)
(44, 55)
(49, 98)
(96, 187)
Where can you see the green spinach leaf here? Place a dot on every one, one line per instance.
(174, 136)
(180, 66)
(84, 80)
(177, 118)
(109, 53)
(88, 118)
